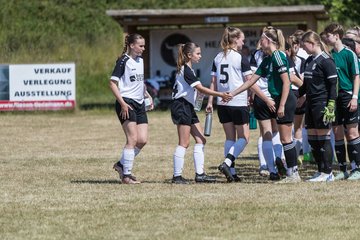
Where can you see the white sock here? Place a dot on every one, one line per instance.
(178, 159)
(278, 148)
(305, 142)
(262, 161)
(199, 158)
(227, 146)
(267, 148)
(298, 145)
(136, 151)
(129, 155)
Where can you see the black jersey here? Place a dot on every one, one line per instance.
(320, 78)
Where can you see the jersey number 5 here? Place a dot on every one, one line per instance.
(224, 72)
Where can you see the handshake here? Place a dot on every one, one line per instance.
(226, 97)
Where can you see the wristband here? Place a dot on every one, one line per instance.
(354, 96)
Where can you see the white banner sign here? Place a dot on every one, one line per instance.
(37, 86)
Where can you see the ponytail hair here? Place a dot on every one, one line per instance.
(313, 37)
(183, 51)
(276, 36)
(229, 37)
(130, 39)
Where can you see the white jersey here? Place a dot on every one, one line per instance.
(302, 53)
(229, 71)
(184, 85)
(129, 73)
(255, 63)
(298, 70)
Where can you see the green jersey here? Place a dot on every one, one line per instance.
(347, 67)
(272, 67)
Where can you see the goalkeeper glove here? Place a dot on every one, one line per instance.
(329, 112)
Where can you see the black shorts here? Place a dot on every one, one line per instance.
(236, 115)
(289, 111)
(261, 110)
(138, 114)
(183, 113)
(342, 113)
(299, 110)
(314, 115)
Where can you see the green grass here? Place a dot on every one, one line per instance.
(57, 182)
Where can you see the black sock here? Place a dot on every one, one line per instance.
(315, 150)
(326, 153)
(290, 154)
(341, 154)
(353, 149)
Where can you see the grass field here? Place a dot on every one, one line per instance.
(57, 182)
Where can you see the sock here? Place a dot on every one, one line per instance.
(353, 149)
(262, 161)
(267, 148)
(278, 147)
(235, 150)
(326, 153)
(305, 142)
(340, 154)
(298, 145)
(290, 156)
(178, 159)
(227, 146)
(332, 140)
(199, 158)
(315, 150)
(129, 155)
(136, 151)
(353, 165)
(232, 168)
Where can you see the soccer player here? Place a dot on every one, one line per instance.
(269, 144)
(276, 68)
(320, 81)
(185, 89)
(354, 34)
(127, 85)
(294, 46)
(347, 102)
(229, 71)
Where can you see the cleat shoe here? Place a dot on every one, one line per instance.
(119, 168)
(236, 178)
(322, 177)
(274, 177)
(264, 173)
(203, 178)
(355, 175)
(317, 174)
(225, 169)
(294, 178)
(341, 176)
(128, 179)
(280, 166)
(179, 180)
